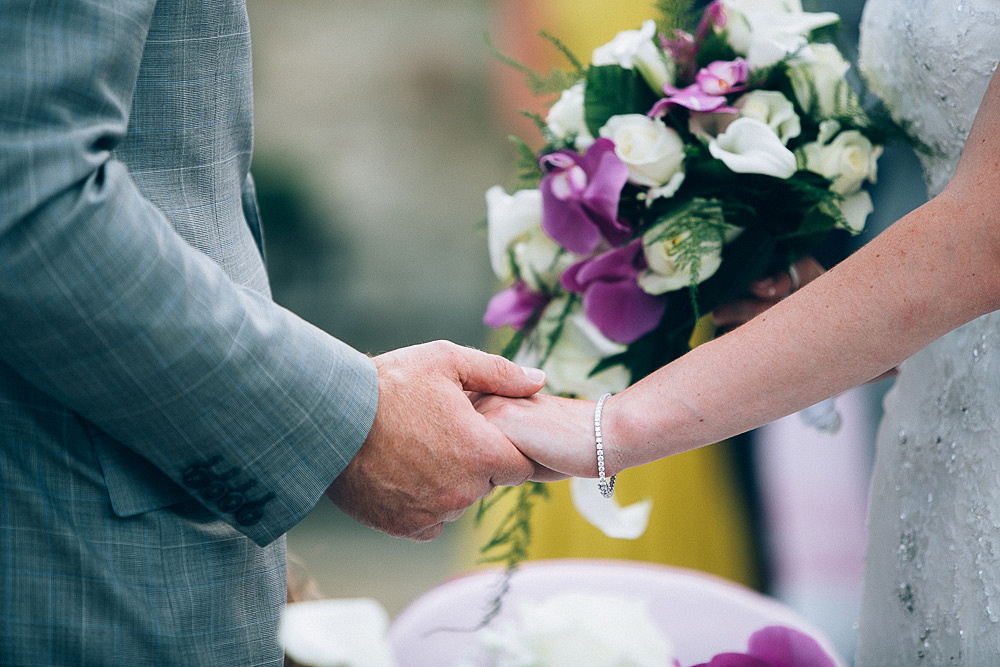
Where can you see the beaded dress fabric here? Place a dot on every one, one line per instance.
(932, 581)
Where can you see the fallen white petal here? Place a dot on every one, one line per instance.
(625, 523)
(336, 633)
(824, 417)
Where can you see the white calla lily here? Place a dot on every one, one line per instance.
(749, 146)
(624, 523)
(566, 118)
(337, 633)
(508, 218)
(636, 49)
(765, 31)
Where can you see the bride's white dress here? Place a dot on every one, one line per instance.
(932, 582)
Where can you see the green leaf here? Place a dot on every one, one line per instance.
(612, 91)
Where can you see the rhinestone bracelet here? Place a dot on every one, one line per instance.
(606, 486)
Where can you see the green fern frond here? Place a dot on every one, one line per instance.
(579, 69)
(555, 81)
(674, 15)
(688, 231)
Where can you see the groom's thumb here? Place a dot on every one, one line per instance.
(490, 374)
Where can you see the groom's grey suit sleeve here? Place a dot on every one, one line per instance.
(131, 291)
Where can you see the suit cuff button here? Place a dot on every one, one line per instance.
(249, 516)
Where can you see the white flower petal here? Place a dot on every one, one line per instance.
(508, 217)
(824, 417)
(625, 523)
(635, 49)
(856, 209)
(336, 633)
(748, 146)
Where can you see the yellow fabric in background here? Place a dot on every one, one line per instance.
(699, 518)
(583, 25)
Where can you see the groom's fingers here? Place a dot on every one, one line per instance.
(777, 287)
(490, 374)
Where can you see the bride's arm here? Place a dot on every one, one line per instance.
(932, 271)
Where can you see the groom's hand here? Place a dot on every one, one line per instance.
(765, 293)
(429, 454)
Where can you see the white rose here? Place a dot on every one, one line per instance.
(636, 49)
(577, 351)
(580, 629)
(856, 209)
(749, 146)
(566, 117)
(662, 253)
(847, 161)
(773, 109)
(653, 152)
(765, 31)
(820, 86)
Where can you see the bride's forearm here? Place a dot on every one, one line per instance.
(931, 272)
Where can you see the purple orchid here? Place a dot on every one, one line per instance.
(612, 298)
(683, 49)
(776, 646)
(580, 195)
(723, 77)
(513, 306)
(708, 93)
(713, 17)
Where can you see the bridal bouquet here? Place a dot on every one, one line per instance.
(688, 159)
(678, 167)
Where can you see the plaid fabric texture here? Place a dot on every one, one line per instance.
(162, 422)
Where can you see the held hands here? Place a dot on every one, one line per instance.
(429, 455)
(558, 433)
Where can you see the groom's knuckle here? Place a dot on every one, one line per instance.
(440, 348)
(456, 500)
(500, 367)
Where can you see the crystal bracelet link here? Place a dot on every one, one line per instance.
(605, 485)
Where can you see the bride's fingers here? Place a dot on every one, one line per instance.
(543, 474)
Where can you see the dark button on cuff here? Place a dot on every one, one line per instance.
(232, 502)
(200, 475)
(252, 512)
(214, 491)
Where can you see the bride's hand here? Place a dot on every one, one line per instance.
(558, 433)
(765, 293)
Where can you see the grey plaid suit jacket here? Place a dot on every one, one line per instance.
(162, 422)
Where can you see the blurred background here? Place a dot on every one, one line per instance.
(379, 127)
